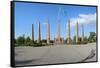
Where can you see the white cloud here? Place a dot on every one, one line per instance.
(44, 23)
(84, 19)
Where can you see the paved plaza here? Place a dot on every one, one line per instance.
(55, 54)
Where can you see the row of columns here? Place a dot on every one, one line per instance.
(39, 32)
(48, 32)
(76, 36)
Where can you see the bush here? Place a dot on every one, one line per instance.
(38, 44)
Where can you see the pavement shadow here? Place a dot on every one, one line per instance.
(24, 62)
(18, 52)
(90, 56)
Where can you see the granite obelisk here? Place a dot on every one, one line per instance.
(32, 32)
(39, 33)
(68, 33)
(59, 31)
(76, 32)
(48, 32)
(82, 32)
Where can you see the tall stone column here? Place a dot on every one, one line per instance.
(68, 36)
(39, 33)
(32, 32)
(48, 32)
(76, 32)
(82, 32)
(59, 31)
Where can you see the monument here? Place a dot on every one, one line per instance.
(48, 32)
(39, 32)
(68, 33)
(82, 32)
(76, 32)
(59, 31)
(32, 32)
(58, 40)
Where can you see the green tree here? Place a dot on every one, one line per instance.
(92, 37)
(74, 40)
(43, 41)
(79, 39)
(27, 39)
(86, 39)
(20, 40)
(51, 41)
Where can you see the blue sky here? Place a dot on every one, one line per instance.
(27, 14)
